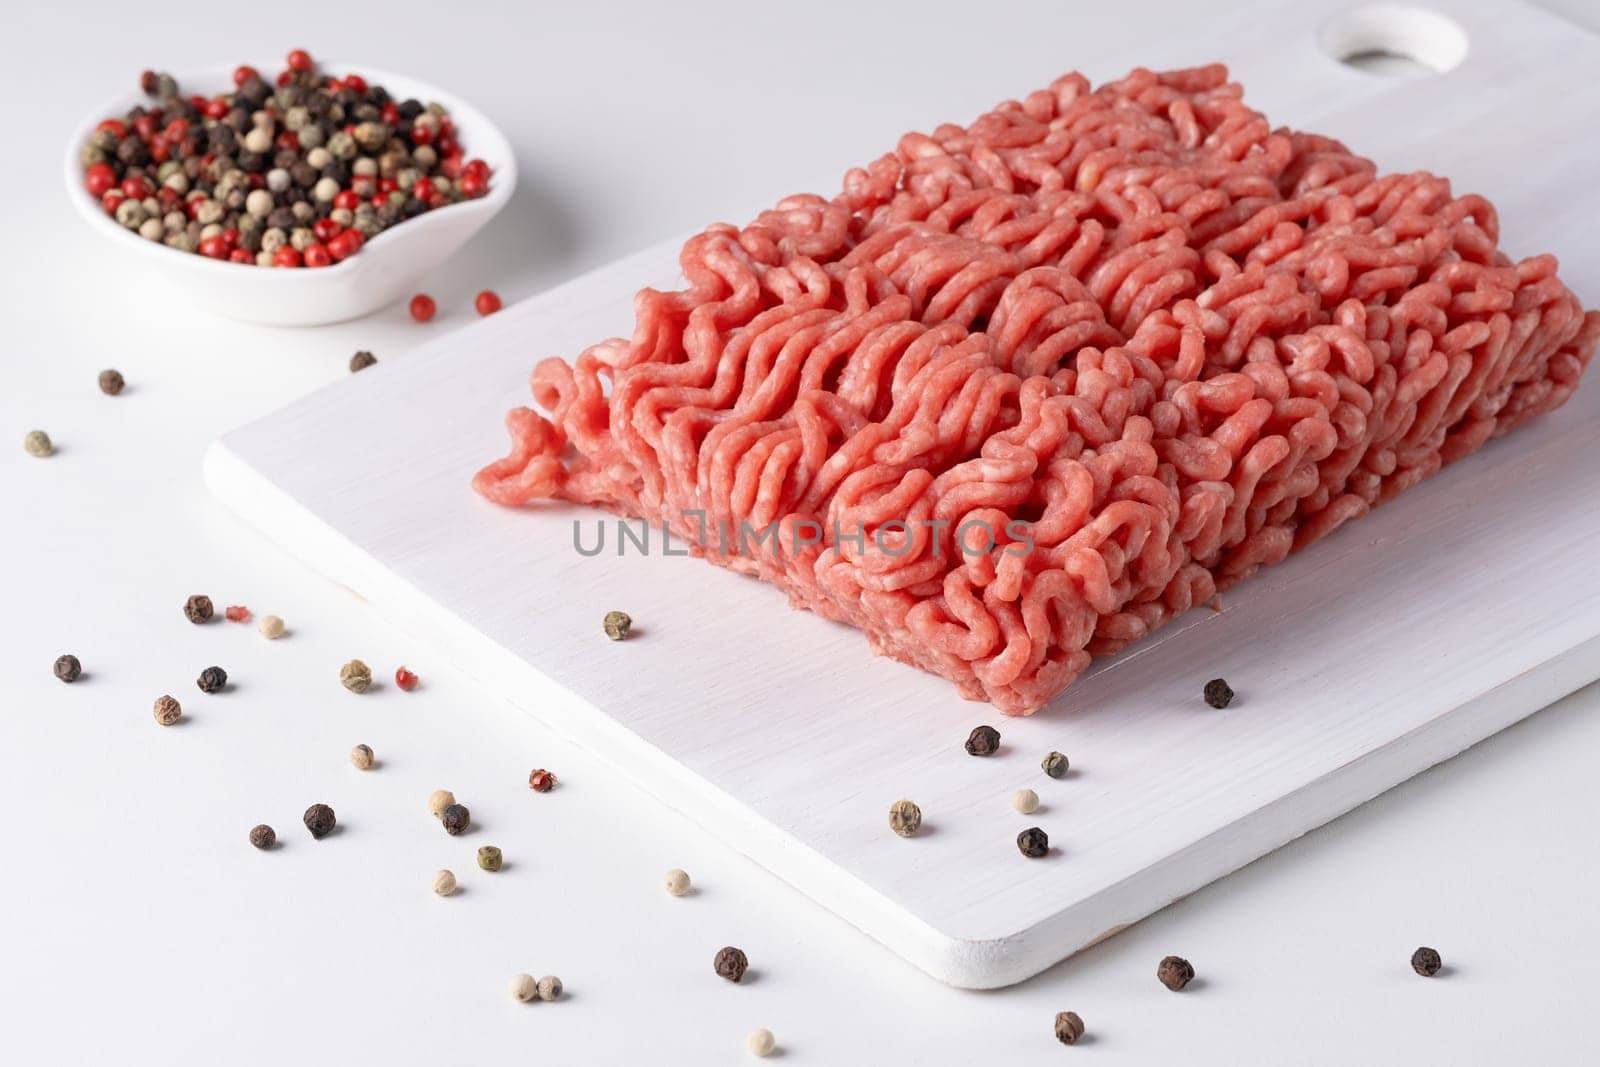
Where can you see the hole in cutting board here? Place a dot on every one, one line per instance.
(1395, 40)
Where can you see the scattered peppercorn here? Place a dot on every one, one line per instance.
(439, 800)
(422, 307)
(263, 836)
(361, 757)
(1055, 765)
(320, 821)
(549, 987)
(37, 443)
(197, 609)
(1069, 1027)
(541, 781)
(236, 613)
(983, 741)
(68, 669)
(1026, 801)
(487, 302)
(904, 818)
(490, 858)
(1175, 972)
(405, 679)
(761, 1042)
(456, 819)
(240, 176)
(111, 382)
(167, 710)
(355, 676)
(617, 624)
(1218, 693)
(212, 680)
(1033, 842)
(524, 987)
(362, 360)
(730, 963)
(1426, 962)
(271, 627)
(677, 882)
(444, 882)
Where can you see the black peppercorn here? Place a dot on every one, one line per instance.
(263, 836)
(133, 152)
(1218, 693)
(111, 382)
(412, 208)
(410, 109)
(212, 680)
(254, 91)
(730, 963)
(320, 821)
(252, 162)
(1174, 972)
(1033, 842)
(983, 741)
(68, 669)
(362, 360)
(198, 609)
(1426, 962)
(456, 819)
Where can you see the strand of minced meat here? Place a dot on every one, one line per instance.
(1176, 342)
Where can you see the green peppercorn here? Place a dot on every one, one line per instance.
(1055, 765)
(490, 858)
(617, 624)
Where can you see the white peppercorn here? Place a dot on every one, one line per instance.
(301, 238)
(361, 757)
(325, 190)
(177, 181)
(904, 817)
(312, 136)
(278, 180)
(761, 1042)
(318, 157)
(152, 230)
(356, 676)
(131, 213)
(259, 203)
(343, 216)
(677, 882)
(167, 710)
(343, 146)
(208, 212)
(438, 800)
(1025, 801)
(366, 165)
(444, 882)
(212, 229)
(295, 118)
(271, 627)
(265, 259)
(37, 443)
(549, 987)
(524, 987)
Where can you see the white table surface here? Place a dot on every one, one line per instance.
(138, 926)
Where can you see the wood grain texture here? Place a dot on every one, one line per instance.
(1405, 637)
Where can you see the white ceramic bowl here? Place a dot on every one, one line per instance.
(387, 268)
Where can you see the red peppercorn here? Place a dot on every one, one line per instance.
(450, 166)
(288, 141)
(242, 74)
(387, 185)
(316, 255)
(348, 199)
(362, 185)
(138, 188)
(405, 679)
(214, 247)
(99, 178)
(346, 244)
(389, 113)
(447, 125)
(446, 145)
(115, 126)
(298, 61)
(325, 229)
(197, 101)
(177, 129)
(147, 124)
(476, 167)
(488, 302)
(112, 199)
(285, 77)
(421, 135)
(286, 257)
(541, 781)
(356, 82)
(238, 612)
(230, 238)
(217, 109)
(473, 186)
(423, 307)
(239, 255)
(423, 189)
(378, 200)
(169, 197)
(334, 85)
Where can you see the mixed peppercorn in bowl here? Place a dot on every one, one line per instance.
(347, 184)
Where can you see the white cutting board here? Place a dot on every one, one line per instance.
(1471, 602)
